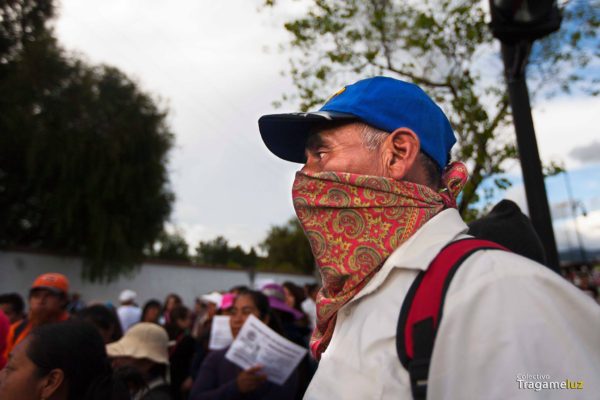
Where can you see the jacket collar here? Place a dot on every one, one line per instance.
(418, 251)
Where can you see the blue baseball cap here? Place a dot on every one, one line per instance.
(384, 103)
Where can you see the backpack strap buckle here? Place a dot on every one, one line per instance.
(418, 370)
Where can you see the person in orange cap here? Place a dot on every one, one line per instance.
(47, 303)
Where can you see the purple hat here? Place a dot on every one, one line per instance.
(276, 297)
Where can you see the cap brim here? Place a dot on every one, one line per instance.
(285, 135)
(52, 289)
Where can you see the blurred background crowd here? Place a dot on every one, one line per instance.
(156, 350)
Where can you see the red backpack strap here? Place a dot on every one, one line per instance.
(421, 311)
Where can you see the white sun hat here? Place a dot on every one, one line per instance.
(214, 297)
(143, 340)
(127, 295)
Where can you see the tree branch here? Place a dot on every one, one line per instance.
(499, 115)
(388, 59)
(413, 77)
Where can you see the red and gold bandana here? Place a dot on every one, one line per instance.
(354, 222)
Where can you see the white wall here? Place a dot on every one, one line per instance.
(19, 269)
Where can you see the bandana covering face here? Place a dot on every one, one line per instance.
(354, 222)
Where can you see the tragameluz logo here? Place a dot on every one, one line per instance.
(538, 382)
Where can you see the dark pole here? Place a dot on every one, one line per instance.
(515, 58)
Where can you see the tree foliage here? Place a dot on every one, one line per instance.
(445, 47)
(219, 252)
(170, 246)
(83, 150)
(22, 22)
(288, 248)
(285, 246)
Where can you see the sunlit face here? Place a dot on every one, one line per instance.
(19, 379)
(243, 307)
(341, 149)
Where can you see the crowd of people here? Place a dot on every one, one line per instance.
(61, 348)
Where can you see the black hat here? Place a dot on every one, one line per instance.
(508, 226)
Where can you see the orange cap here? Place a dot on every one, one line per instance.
(52, 281)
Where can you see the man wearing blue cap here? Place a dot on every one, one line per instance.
(377, 199)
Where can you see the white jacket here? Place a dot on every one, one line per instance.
(505, 319)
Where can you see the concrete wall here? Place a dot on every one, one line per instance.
(19, 269)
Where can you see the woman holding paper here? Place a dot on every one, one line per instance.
(219, 378)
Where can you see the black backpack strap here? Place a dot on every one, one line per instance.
(422, 308)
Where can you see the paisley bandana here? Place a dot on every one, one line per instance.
(354, 222)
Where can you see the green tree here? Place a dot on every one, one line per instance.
(213, 252)
(170, 246)
(288, 248)
(219, 252)
(83, 150)
(22, 22)
(239, 257)
(445, 47)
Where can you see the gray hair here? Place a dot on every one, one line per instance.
(372, 137)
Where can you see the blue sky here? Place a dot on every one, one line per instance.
(585, 187)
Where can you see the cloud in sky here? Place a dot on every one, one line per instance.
(588, 153)
(563, 124)
(587, 227)
(207, 60)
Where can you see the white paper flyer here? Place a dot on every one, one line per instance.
(258, 344)
(220, 333)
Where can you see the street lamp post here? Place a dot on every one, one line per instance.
(517, 23)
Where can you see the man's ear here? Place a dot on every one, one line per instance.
(400, 152)
(51, 383)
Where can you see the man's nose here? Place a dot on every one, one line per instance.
(310, 165)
